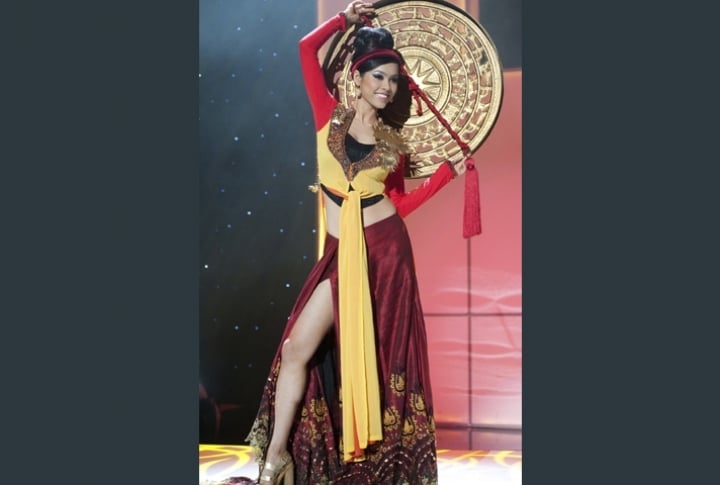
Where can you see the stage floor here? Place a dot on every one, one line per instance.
(455, 467)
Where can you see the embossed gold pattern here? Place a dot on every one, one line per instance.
(453, 60)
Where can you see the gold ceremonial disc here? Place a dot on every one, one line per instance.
(455, 63)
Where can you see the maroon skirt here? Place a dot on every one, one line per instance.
(406, 454)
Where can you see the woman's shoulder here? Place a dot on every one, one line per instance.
(341, 114)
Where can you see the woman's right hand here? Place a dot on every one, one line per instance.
(356, 9)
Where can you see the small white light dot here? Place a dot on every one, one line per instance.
(277, 115)
(229, 226)
(300, 202)
(249, 213)
(206, 267)
(257, 327)
(274, 54)
(236, 327)
(232, 75)
(313, 231)
(287, 285)
(199, 74)
(295, 26)
(236, 138)
(282, 230)
(222, 190)
(265, 192)
(238, 28)
(274, 174)
(262, 135)
(302, 164)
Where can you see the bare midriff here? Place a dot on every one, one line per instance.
(375, 213)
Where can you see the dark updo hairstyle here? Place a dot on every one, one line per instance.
(366, 40)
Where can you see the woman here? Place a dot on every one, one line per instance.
(348, 398)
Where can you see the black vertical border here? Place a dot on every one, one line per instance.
(618, 242)
(99, 192)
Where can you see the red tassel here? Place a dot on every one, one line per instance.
(471, 214)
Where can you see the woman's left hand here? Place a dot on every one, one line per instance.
(460, 167)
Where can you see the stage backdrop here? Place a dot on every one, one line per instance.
(257, 218)
(258, 222)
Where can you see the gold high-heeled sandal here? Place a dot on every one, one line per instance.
(281, 472)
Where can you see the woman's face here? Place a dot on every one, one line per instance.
(378, 85)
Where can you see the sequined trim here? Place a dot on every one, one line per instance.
(339, 125)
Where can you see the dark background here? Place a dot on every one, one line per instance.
(257, 224)
(502, 20)
(257, 217)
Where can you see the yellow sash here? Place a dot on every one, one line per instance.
(360, 392)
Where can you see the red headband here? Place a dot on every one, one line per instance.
(376, 53)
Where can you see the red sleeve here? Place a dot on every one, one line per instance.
(406, 202)
(321, 99)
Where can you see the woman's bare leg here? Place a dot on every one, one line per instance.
(313, 323)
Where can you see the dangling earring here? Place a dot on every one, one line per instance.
(357, 92)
